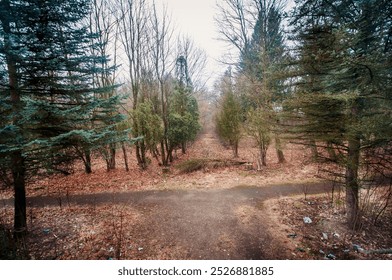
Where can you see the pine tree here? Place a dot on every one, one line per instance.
(52, 107)
(344, 69)
(229, 120)
(261, 65)
(183, 113)
(183, 118)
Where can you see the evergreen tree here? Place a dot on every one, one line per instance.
(183, 118)
(261, 65)
(230, 117)
(51, 105)
(344, 66)
(150, 126)
(258, 126)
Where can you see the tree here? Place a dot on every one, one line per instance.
(258, 126)
(134, 21)
(230, 118)
(103, 23)
(183, 118)
(49, 97)
(261, 63)
(344, 65)
(161, 49)
(254, 29)
(150, 126)
(235, 21)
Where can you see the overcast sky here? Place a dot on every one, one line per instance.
(195, 18)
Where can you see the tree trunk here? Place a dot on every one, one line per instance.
(279, 151)
(87, 162)
(141, 154)
(18, 167)
(183, 148)
(263, 156)
(125, 156)
(235, 149)
(163, 154)
(352, 186)
(112, 157)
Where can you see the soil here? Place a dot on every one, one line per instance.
(227, 212)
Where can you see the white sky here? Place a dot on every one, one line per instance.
(195, 18)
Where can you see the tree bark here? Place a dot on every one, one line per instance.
(352, 168)
(235, 149)
(18, 166)
(163, 154)
(141, 154)
(183, 148)
(279, 151)
(352, 186)
(263, 156)
(87, 162)
(112, 157)
(125, 156)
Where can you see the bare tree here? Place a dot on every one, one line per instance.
(133, 17)
(234, 22)
(104, 24)
(161, 54)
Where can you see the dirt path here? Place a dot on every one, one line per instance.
(197, 224)
(213, 215)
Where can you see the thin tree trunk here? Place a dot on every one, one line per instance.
(352, 186)
(352, 168)
(263, 156)
(279, 151)
(143, 154)
(18, 167)
(112, 157)
(125, 156)
(235, 149)
(87, 161)
(139, 156)
(163, 154)
(183, 148)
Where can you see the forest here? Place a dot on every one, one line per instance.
(114, 146)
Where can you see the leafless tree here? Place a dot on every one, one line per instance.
(162, 64)
(133, 17)
(104, 24)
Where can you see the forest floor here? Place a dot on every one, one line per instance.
(222, 211)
